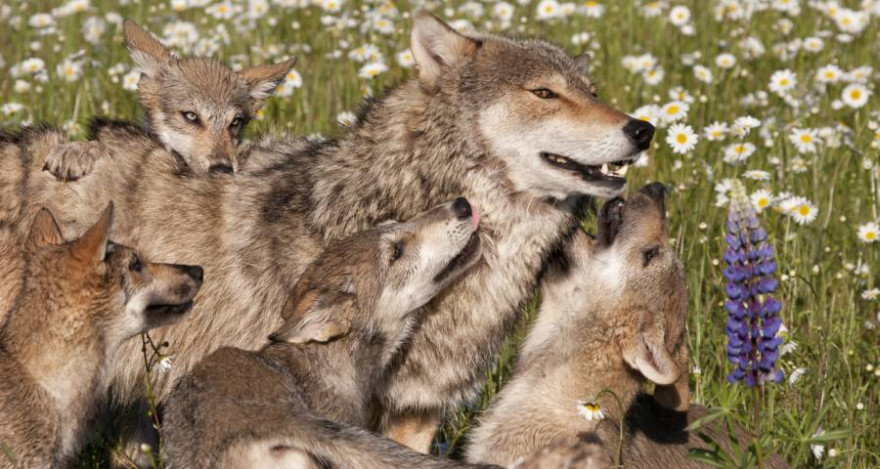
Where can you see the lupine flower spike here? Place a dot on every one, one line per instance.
(753, 322)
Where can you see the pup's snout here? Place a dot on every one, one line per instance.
(656, 191)
(640, 132)
(195, 272)
(220, 168)
(462, 208)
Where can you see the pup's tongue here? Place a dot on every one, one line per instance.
(475, 217)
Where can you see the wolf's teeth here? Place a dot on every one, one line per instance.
(605, 170)
(622, 171)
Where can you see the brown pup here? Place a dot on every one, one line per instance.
(196, 107)
(79, 301)
(293, 402)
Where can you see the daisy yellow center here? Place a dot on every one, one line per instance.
(740, 148)
(763, 202)
(648, 119)
(221, 9)
(804, 210)
(548, 9)
(870, 235)
(716, 133)
(681, 138)
(590, 4)
(806, 138)
(69, 71)
(672, 110)
(783, 81)
(592, 406)
(855, 94)
(829, 75)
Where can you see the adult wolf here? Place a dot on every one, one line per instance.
(513, 125)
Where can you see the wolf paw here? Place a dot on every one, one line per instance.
(72, 161)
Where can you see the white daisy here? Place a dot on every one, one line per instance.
(703, 74)
(869, 232)
(679, 15)
(738, 152)
(804, 140)
(715, 131)
(757, 175)
(590, 411)
(829, 74)
(796, 375)
(871, 294)
(783, 81)
(548, 9)
(405, 59)
(673, 111)
(742, 125)
(681, 138)
(761, 199)
(372, 69)
(855, 95)
(346, 119)
(725, 60)
(801, 210)
(649, 113)
(813, 44)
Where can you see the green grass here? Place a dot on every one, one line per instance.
(822, 287)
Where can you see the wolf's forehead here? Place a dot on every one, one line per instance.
(527, 60)
(211, 80)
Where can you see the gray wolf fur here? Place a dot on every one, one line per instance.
(196, 107)
(443, 134)
(350, 311)
(79, 302)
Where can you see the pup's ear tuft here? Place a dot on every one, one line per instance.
(263, 79)
(92, 246)
(647, 353)
(147, 52)
(676, 396)
(317, 318)
(44, 231)
(436, 46)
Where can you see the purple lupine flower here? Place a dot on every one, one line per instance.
(753, 314)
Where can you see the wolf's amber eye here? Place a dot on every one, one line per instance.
(650, 254)
(544, 93)
(135, 265)
(190, 116)
(396, 252)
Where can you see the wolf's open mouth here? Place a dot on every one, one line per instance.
(463, 258)
(611, 172)
(170, 309)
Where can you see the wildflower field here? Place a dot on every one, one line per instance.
(768, 105)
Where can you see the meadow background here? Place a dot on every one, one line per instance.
(809, 158)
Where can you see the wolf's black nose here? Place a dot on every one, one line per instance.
(194, 271)
(462, 208)
(220, 168)
(640, 132)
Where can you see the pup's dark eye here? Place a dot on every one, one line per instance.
(544, 93)
(396, 252)
(190, 116)
(236, 123)
(650, 254)
(135, 265)
(594, 93)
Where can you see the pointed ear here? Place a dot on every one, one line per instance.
(316, 319)
(93, 245)
(676, 396)
(435, 46)
(647, 353)
(582, 62)
(44, 231)
(146, 51)
(263, 79)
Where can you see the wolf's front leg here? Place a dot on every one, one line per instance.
(73, 160)
(414, 429)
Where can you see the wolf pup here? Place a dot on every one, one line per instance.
(351, 310)
(197, 108)
(613, 317)
(80, 300)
